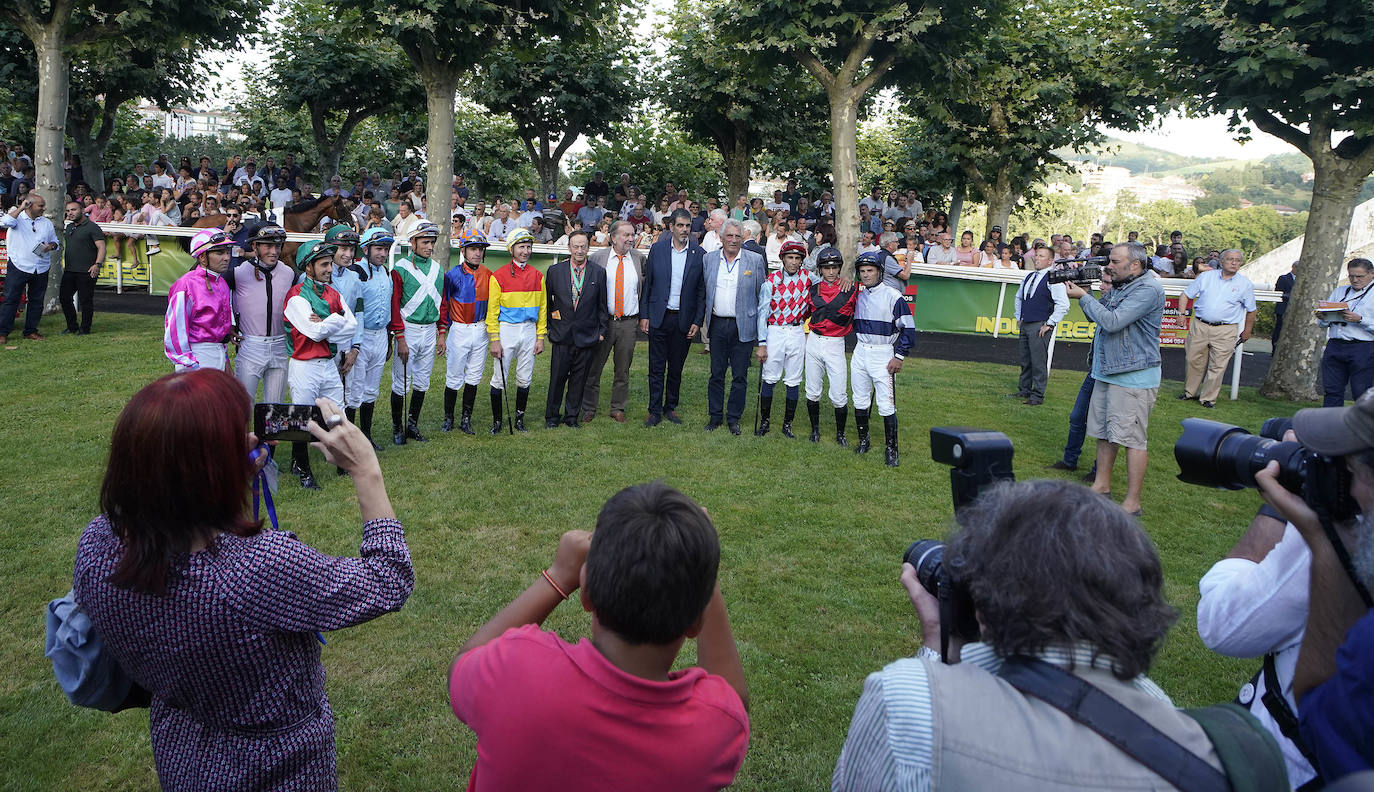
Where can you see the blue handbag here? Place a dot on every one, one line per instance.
(86, 671)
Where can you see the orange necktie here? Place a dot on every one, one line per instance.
(620, 287)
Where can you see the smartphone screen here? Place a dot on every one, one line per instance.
(285, 422)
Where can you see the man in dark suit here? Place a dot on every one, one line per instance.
(577, 324)
(734, 281)
(623, 288)
(1284, 285)
(670, 311)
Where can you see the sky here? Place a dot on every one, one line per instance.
(1205, 137)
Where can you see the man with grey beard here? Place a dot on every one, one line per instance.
(1333, 683)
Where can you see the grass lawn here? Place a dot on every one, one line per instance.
(812, 539)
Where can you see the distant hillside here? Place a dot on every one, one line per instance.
(1139, 159)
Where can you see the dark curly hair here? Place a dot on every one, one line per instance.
(1051, 563)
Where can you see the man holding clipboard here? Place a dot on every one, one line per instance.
(1348, 361)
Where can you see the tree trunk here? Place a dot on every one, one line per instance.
(441, 85)
(92, 155)
(1294, 369)
(738, 159)
(329, 161)
(546, 166)
(1001, 200)
(956, 208)
(53, 83)
(844, 164)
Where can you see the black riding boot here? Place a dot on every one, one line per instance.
(450, 401)
(765, 415)
(300, 465)
(496, 395)
(787, 416)
(842, 418)
(890, 436)
(861, 423)
(469, 398)
(398, 432)
(522, 398)
(813, 411)
(417, 401)
(365, 422)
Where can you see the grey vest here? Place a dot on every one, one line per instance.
(988, 736)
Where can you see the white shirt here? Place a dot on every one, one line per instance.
(499, 228)
(164, 181)
(1358, 302)
(281, 197)
(773, 249)
(630, 300)
(875, 205)
(1248, 610)
(1221, 300)
(25, 234)
(527, 219)
(777, 206)
(941, 255)
(1058, 293)
(727, 284)
(710, 241)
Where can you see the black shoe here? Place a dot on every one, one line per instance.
(465, 423)
(787, 430)
(815, 434)
(653, 420)
(1034, 401)
(1208, 405)
(864, 445)
(376, 447)
(519, 422)
(338, 471)
(841, 440)
(572, 423)
(306, 477)
(447, 425)
(713, 426)
(398, 435)
(841, 419)
(69, 331)
(734, 428)
(551, 424)
(83, 332)
(495, 427)
(413, 432)
(861, 423)
(890, 440)
(1060, 464)
(672, 416)
(763, 428)
(1185, 397)
(766, 411)
(1090, 476)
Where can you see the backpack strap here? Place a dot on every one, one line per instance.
(1126, 730)
(1250, 754)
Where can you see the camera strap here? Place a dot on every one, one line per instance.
(260, 485)
(1343, 555)
(1279, 710)
(1090, 707)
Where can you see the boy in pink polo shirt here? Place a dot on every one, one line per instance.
(610, 713)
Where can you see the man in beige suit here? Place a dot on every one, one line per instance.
(624, 267)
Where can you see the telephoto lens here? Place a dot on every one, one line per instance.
(1214, 454)
(927, 556)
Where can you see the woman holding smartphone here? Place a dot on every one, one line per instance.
(215, 614)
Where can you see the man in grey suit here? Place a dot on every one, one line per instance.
(734, 281)
(624, 266)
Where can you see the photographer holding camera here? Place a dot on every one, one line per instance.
(1333, 683)
(1067, 588)
(1126, 366)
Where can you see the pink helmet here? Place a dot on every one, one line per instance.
(210, 239)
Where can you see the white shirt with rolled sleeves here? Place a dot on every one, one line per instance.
(1221, 300)
(1358, 302)
(1249, 609)
(25, 235)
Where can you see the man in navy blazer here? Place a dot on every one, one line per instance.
(670, 311)
(734, 283)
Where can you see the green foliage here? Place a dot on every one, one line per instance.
(1135, 157)
(904, 153)
(1260, 183)
(808, 562)
(134, 140)
(488, 151)
(653, 153)
(270, 130)
(561, 82)
(1255, 230)
(1208, 204)
(742, 101)
(341, 71)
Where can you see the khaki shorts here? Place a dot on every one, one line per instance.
(1121, 415)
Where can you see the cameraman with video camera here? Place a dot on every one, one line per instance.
(1061, 586)
(1126, 366)
(1333, 683)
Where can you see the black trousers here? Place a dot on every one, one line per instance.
(1346, 364)
(77, 282)
(668, 347)
(727, 350)
(17, 282)
(568, 367)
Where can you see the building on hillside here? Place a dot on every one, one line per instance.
(1109, 180)
(180, 122)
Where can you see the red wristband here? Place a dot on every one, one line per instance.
(549, 578)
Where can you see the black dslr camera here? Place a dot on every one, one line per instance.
(977, 458)
(1088, 270)
(1214, 454)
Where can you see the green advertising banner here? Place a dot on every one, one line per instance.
(953, 305)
